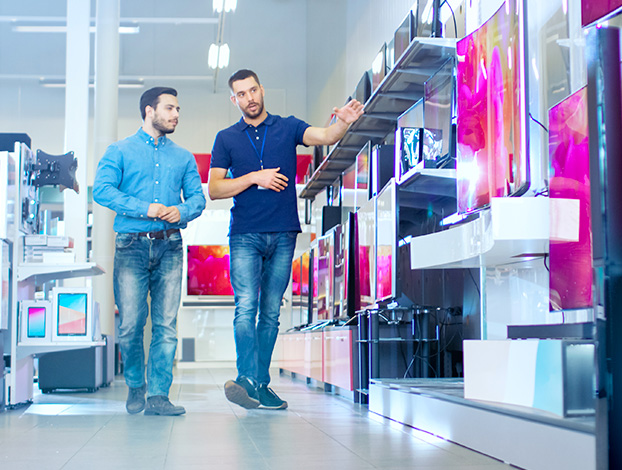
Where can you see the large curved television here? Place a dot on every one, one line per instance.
(493, 139)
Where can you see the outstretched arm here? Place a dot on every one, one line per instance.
(346, 115)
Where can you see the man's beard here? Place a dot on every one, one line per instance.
(160, 126)
(257, 113)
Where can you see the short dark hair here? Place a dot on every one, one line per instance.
(152, 97)
(241, 75)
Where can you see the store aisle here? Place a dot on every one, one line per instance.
(85, 431)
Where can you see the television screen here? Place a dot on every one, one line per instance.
(71, 313)
(315, 261)
(36, 322)
(366, 220)
(570, 264)
(386, 244)
(404, 34)
(438, 113)
(341, 253)
(208, 270)
(363, 88)
(408, 141)
(379, 68)
(296, 277)
(325, 277)
(362, 175)
(348, 187)
(492, 158)
(593, 11)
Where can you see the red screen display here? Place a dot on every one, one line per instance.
(208, 270)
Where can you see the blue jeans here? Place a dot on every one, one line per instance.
(261, 264)
(143, 266)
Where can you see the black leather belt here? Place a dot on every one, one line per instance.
(160, 235)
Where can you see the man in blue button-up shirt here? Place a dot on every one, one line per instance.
(143, 178)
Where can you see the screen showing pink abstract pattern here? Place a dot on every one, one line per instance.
(208, 270)
(570, 277)
(492, 156)
(595, 10)
(296, 280)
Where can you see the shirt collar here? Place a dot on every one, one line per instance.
(242, 125)
(144, 137)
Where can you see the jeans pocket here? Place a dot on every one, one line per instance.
(123, 240)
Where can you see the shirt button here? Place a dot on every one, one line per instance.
(257, 137)
(157, 164)
(156, 200)
(157, 182)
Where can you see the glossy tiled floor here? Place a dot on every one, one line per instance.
(92, 431)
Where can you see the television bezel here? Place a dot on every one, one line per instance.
(58, 291)
(24, 320)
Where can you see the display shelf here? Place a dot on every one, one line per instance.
(511, 230)
(429, 188)
(44, 272)
(399, 90)
(24, 350)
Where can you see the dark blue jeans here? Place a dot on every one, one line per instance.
(143, 266)
(261, 264)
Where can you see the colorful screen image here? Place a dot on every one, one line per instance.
(570, 264)
(492, 158)
(383, 271)
(296, 280)
(36, 322)
(72, 310)
(594, 10)
(411, 148)
(325, 278)
(304, 281)
(208, 270)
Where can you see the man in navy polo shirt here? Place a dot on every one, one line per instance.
(260, 152)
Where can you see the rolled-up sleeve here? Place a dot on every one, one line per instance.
(194, 197)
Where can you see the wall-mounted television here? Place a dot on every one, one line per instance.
(404, 34)
(570, 262)
(208, 271)
(438, 113)
(325, 275)
(72, 314)
(493, 159)
(366, 263)
(408, 142)
(35, 321)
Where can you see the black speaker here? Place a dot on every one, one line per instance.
(331, 217)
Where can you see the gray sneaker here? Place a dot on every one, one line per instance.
(160, 405)
(268, 399)
(242, 392)
(135, 400)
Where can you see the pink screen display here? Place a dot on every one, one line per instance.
(594, 10)
(492, 155)
(208, 270)
(296, 286)
(570, 277)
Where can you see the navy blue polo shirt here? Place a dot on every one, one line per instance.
(241, 149)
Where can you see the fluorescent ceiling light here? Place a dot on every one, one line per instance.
(218, 56)
(60, 83)
(63, 29)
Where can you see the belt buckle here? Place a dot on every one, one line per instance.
(149, 236)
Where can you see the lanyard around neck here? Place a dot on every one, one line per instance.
(263, 144)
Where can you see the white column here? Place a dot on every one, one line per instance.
(105, 133)
(77, 119)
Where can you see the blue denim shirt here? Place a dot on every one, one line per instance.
(135, 172)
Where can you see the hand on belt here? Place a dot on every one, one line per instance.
(159, 235)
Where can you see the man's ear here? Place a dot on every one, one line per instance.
(233, 100)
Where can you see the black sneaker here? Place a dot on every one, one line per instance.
(269, 400)
(135, 400)
(160, 405)
(242, 392)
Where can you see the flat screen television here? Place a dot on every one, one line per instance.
(348, 187)
(362, 175)
(72, 314)
(314, 279)
(570, 250)
(296, 280)
(438, 113)
(379, 68)
(305, 287)
(208, 271)
(492, 121)
(362, 92)
(325, 275)
(386, 243)
(404, 34)
(35, 321)
(344, 278)
(593, 11)
(366, 263)
(408, 142)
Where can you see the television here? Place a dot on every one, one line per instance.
(305, 291)
(404, 34)
(492, 120)
(408, 142)
(570, 249)
(325, 273)
(362, 92)
(379, 68)
(386, 242)
(344, 307)
(208, 271)
(381, 168)
(594, 11)
(35, 322)
(313, 280)
(296, 281)
(438, 114)
(72, 314)
(366, 262)
(362, 175)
